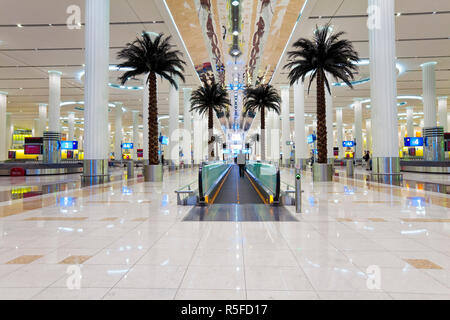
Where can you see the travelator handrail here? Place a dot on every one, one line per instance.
(185, 190)
(209, 176)
(267, 176)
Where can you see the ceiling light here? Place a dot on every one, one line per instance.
(235, 33)
(19, 25)
(399, 14)
(235, 68)
(235, 3)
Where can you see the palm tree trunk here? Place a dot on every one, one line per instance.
(321, 119)
(210, 133)
(153, 144)
(263, 135)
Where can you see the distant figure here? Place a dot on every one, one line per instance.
(367, 159)
(241, 163)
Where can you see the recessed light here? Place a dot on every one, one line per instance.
(235, 3)
(19, 25)
(399, 14)
(235, 33)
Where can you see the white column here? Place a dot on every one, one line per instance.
(275, 136)
(301, 148)
(369, 135)
(71, 122)
(329, 123)
(198, 139)
(96, 88)
(35, 126)
(339, 132)
(285, 129)
(410, 122)
(110, 139)
(42, 120)
(174, 110)
(3, 131)
(429, 94)
(54, 101)
(358, 130)
(442, 103)
(135, 115)
(187, 119)
(9, 132)
(118, 131)
(269, 122)
(145, 102)
(383, 86)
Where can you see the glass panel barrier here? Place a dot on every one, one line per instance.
(266, 174)
(210, 172)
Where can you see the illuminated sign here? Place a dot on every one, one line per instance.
(164, 140)
(69, 145)
(311, 138)
(348, 144)
(127, 145)
(413, 142)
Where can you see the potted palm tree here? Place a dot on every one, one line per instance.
(326, 55)
(206, 100)
(262, 98)
(156, 58)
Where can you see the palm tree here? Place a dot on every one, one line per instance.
(152, 57)
(209, 99)
(261, 98)
(326, 53)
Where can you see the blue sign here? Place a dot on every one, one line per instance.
(127, 145)
(164, 140)
(246, 151)
(348, 144)
(413, 142)
(311, 138)
(69, 145)
(226, 151)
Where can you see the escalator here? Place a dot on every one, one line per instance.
(224, 195)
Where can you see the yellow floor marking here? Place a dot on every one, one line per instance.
(220, 187)
(254, 187)
(24, 259)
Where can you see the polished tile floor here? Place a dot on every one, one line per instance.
(127, 240)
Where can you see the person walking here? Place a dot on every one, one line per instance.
(241, 163)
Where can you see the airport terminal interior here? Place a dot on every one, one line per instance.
(225, 149)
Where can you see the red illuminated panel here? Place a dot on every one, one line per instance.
(33, 149)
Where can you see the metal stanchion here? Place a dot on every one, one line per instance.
(130, 169)
(298, 191)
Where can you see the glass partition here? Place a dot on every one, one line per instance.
(266, 174)
(211, 171)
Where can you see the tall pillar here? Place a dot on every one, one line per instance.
(301, 148)
(42, 120)
(3, 103)
(383, 90)
(110, 139)
(268, 140)
(329, 125)
(187, 122)
(275, 136)
(286, 127)
(174, 110)
(442, 103)
(118, 131)
(135, 115)
(339, 132)
(429, 94)
(410, 122)
(369, 135)
(35, 126)
(145, 101)
(71, 122)
(52, 153)
(198, 139)
(9, 132)
(54, 101)
(96, 91)
(358, 130)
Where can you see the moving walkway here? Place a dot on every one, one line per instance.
(224, 195)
